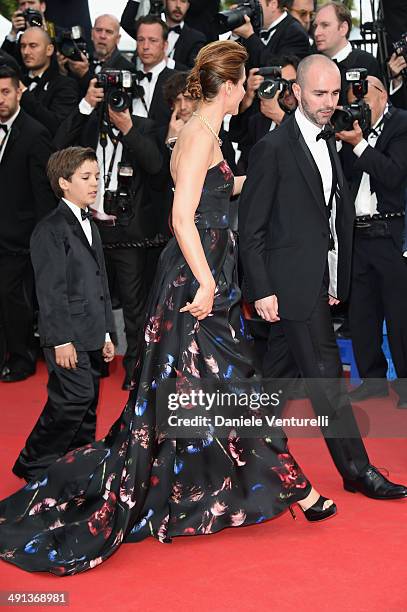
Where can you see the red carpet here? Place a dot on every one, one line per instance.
(355, 562)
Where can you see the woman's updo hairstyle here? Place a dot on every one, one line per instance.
(216, 63)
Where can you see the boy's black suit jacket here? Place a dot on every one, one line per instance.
(71, 282)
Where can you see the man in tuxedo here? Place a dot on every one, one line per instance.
(332, 27)
(295, 228)
(282, 35)
(106, 55)
(376, 166)
(183, 41)
(47, 96)
(75, 314)
(25, 147)
(152, 45)
(127, 236)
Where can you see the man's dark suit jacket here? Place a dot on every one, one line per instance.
(283, 225)
(201, 16)
(71, 282)
(386, 164)
(159, 111)
(26, 195)
(289, 38)
(54, 97)
(140, 150)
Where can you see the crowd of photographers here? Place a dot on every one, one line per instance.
(58, 88)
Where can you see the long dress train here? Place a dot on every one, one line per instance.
(136, 482)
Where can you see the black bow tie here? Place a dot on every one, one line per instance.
(4, 126)
(86, 214)
(144, 75)
(327, 133)
(35, 79)
(266, 33)
(177, 29)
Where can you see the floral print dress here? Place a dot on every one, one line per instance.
(137, 482)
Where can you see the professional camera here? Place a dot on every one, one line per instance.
(343, 119)
(156, 8)
(32, 18)
(400, 48)
(119, 202)
(120, 87)
(234, 18)
(71, 43)
(273, 82)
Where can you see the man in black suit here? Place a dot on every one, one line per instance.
(106, 55)
(75, 316)
(152, 45)
(25, 197)
(376, 166)
(183, 41)
(126, 236)
(282, 35)
(47, 96)
(295, 227)
(332, 27)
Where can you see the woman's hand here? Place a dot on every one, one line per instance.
(203, 302)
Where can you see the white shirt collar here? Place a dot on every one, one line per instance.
(343, 53)
(157, 69)
(308, 129)
(277, 21)
(39, 75)
(10, 121)
(76, 210)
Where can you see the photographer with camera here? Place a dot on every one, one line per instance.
(376, 167)
(183, 41)
(47, 96)
(277, 101)
(268, 30)
(303, 11)
(332, 27)
(398, 70)
(29, 13)
(105, 38)
(128, 157)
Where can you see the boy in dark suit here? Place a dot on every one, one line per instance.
(75, 317)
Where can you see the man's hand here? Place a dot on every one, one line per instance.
(252, 84)
(108, 351)
(79, 68)
(245, 30)
(396, 64)
(175, 126)
(122, 121)
(66, 356)
(267, 308)
(94, 95)
(17, 23)
(271, 109)
(333, 301)
(62, 63)
(353, 137)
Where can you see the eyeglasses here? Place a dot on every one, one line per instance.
(303, 13)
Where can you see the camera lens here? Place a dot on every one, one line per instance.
(118, 101)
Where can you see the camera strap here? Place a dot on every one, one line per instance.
(108, 175)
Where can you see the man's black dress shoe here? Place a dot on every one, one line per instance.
(373, 484)
(369, 390)
(14, 375)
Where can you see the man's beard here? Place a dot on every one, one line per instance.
(314, 117)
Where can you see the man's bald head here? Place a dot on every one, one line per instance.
(36, 49)
(313, 64)
(105, 35)
(37, 34)
(317, 88)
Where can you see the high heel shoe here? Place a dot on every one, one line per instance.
(317, 512)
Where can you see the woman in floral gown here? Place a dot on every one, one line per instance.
(137, 481)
